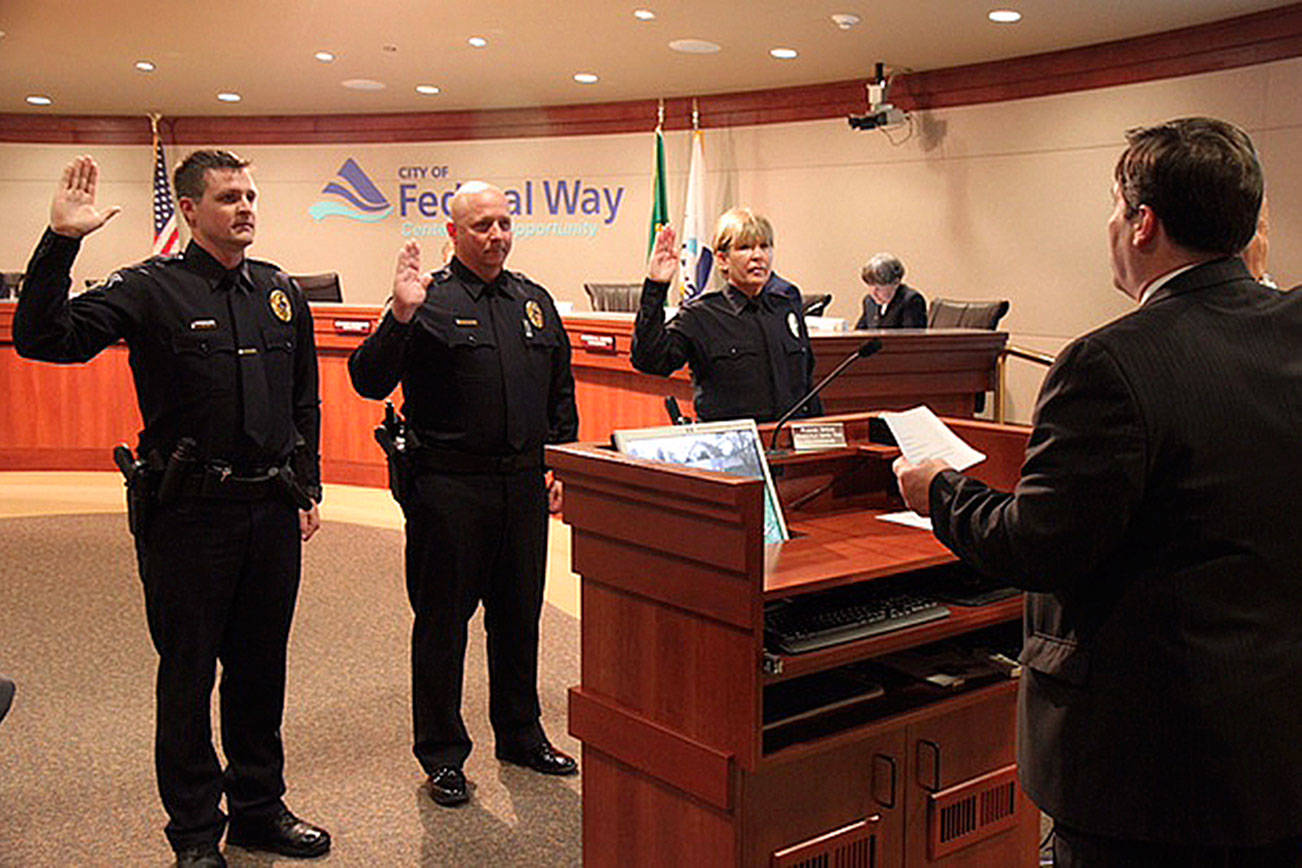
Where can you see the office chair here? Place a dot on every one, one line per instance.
(319, 287)
(614, 296)
(949, 313)
(815, 304)
(11, 284)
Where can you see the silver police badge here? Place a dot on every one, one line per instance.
(280, 305)
(793, 324)
(533, 310)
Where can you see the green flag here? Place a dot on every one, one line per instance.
(659, 194)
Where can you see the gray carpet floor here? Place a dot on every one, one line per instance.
(76, 768)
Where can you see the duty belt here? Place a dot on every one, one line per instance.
(436, 460)
(218, 481)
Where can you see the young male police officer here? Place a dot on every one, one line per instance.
(484, 364)
(224, 362)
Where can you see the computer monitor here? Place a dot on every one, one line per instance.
(732, 446)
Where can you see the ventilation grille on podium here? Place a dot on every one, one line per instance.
(971, 811)
(852, 846)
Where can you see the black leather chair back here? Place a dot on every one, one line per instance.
(614, 296)
(320, 287)
(949, 313)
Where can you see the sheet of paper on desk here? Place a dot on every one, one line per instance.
(922, 436)
(909, 518)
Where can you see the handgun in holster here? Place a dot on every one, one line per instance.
(399, 444)
(290, 477)
(139, 485)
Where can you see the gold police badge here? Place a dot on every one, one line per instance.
(533, 310)
(280, 305)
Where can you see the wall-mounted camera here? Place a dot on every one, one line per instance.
(880, 112)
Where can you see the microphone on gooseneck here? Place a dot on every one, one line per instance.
(866, 349)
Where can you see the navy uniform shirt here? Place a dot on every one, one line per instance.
(485, 368)
(181, 317)
(749, 357)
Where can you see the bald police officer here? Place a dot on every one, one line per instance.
(485, 370)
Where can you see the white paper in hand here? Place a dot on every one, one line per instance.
(923, 436)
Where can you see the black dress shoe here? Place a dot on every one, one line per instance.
(543, 759)
(281, 833)
(200, 856)
(447, 786)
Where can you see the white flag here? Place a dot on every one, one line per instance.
(695, 257)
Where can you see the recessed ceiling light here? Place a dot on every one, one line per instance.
(694, 46)
(783, 53)
(144, 66)
(585, 78)
(324, 56)
(362, 84)
(477, 41)
(39, 99)
(426, 89)
(644, 15)
(1005, 16)
(228, 96)
(845, 20)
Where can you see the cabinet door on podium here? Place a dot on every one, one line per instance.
(846, 804)
(965, 805)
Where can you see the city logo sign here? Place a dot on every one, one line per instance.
(361, 199)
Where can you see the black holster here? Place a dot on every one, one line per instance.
(140, 488)
(287, 483)
(399, 444)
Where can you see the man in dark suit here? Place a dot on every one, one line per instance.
(1155, 523)
(890, 304)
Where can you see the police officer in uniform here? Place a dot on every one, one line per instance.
(224, 362)
(746, 344)
(485, 370)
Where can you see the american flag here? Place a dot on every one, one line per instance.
(167, 237)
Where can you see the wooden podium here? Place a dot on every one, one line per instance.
(679, 767)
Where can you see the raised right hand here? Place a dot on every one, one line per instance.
(663, 264)
(409, 285)
(73, 212)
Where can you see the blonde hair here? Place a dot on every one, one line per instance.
(742, 227)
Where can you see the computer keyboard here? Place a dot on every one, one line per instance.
(794, 627)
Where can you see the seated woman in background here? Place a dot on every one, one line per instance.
(889, 303)
(746, 343)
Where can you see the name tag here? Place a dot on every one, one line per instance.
(467, 323)
(203, 325)
(817, 435)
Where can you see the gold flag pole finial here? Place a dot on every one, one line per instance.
(660, 113)
(696, 115)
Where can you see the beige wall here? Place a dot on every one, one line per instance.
(1005, 200)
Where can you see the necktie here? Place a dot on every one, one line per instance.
(252, 374)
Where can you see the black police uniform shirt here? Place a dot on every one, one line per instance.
(485, 368)
(186, 320)
(749, 357)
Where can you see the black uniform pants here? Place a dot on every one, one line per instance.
(221, 578)
(475, 537)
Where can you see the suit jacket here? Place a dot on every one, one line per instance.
(1156, 522)
(907, 309)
